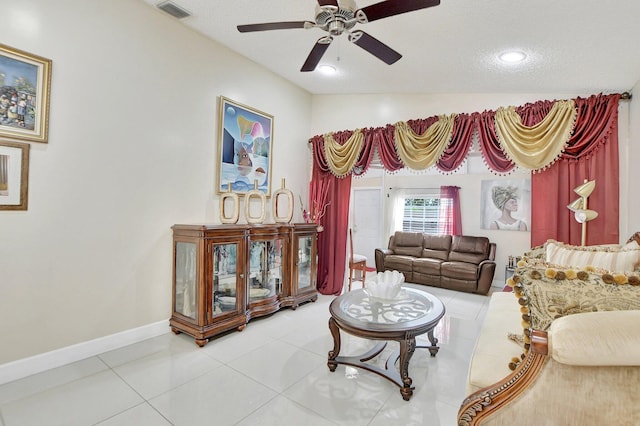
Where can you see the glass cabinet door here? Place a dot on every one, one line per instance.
(185, 276)
(224, 278)
(304, 262)
(265, 269)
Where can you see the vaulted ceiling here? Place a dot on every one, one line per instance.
(571, 46)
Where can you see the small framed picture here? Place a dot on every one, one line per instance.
(14, 175)
(245, 147)
(24, 95)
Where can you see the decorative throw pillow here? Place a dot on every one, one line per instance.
(610, 258)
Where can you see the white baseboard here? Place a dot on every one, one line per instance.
(38, 363)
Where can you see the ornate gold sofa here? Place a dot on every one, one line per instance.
(562, 349)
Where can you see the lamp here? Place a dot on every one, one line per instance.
(579, 206)
(576, 205)
(585, 189)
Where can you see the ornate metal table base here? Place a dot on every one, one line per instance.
(403, 334)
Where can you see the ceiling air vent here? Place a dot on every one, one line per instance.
(173, 9)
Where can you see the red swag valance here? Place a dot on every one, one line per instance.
(596, 125)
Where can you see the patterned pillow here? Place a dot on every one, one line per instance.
(611, 258)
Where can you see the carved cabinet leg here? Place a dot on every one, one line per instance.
(333, 354)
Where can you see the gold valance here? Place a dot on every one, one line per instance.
(342, 158)
(538, 146)
(420, 152)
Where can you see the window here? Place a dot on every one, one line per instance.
(434, 211)
(426, 214)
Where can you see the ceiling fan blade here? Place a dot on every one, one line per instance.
(318, 50)
(273, 26)
(333, 3)
(374, 46)
(387, 8)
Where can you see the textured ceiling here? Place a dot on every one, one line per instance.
(573, 46)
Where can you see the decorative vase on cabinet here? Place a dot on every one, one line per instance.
(224, 275)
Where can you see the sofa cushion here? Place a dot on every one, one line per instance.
(398, 262)
(469, 249)
(460, 270)
(611, 258)
(407, 243)
(493, 350)
(596, 338)
(436, 246)
(426, 265)
(408, 251)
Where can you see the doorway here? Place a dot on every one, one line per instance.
(366, 214)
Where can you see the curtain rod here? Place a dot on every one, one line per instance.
(624, 96)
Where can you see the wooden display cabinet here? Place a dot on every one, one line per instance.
(304, 263)
(208, 280)
(268, 268)
(224, 275)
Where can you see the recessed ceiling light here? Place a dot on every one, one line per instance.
(512, 57)
(327, 69)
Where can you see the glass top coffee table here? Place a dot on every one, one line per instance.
(412, 313)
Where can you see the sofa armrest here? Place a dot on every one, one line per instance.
(486, 271)
(544, 391)
(380, 253)
(492, 251)
(606, 338)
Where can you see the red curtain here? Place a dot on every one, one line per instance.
(384, 137)
(332, 241)
(461, 139)
(490, 147)
(452, 223)
(592, 153)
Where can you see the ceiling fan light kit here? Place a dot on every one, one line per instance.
(327, 69)
(512, 56)
(340, 16)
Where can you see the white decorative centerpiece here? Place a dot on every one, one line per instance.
(385, 285)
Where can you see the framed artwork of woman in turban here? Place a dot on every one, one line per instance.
(506, 204)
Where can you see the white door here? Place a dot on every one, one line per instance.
(366, 221)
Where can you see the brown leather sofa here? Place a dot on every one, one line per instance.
(455, 262)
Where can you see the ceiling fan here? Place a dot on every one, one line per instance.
(340, 16)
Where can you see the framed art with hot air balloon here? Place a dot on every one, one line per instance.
(244, 148)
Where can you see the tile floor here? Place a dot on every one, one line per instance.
(272, 373)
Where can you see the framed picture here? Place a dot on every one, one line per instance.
(245, 147)
(14, 175)
(506, 204)
(24, 95)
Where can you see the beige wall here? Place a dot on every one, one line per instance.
(131, 152)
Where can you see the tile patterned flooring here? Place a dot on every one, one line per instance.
(272, 373)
